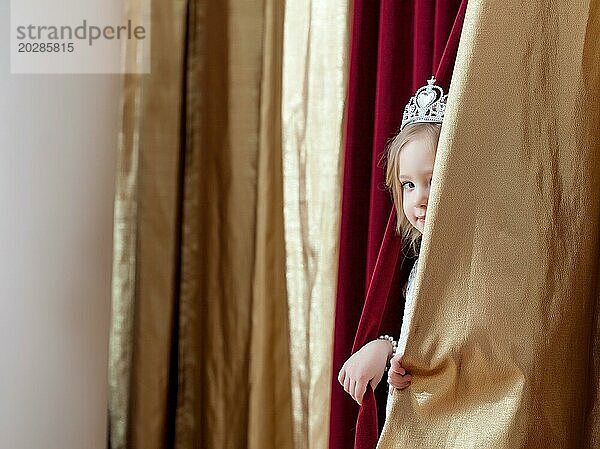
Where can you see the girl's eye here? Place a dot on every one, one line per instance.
(407, 185)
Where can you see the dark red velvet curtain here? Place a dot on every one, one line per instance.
(396, 47)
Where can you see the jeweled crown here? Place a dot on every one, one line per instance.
(427, 106)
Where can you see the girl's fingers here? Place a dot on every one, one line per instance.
(341, 376)
(396, 365)
(400, 386)
(395, 377)
(361, 388)
(353, 389)
(347, 384)
(398, 381)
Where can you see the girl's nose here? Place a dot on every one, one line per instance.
(422, 196)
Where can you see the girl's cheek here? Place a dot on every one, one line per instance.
(406, 211)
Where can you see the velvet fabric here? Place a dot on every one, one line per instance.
(395, 48)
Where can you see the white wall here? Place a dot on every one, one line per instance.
(57, 167)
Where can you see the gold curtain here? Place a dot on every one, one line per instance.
(145, 230)
(314, 90)
(199, 344)
(200, 338)
(504, 343)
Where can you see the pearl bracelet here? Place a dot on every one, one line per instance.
(393, 342)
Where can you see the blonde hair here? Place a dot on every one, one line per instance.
(431, 131)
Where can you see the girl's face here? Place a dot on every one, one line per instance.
(416, 161)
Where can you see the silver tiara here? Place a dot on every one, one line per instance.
(427, 106)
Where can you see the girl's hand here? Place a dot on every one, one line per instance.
(397, 376)
(366, 365)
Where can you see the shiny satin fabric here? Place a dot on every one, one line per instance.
(503, 345)
(200, 340)
(234, 386)
(314, 90)
(144, 236)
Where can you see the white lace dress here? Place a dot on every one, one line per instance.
(409, 307)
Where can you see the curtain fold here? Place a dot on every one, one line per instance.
(503, 344)
(395, 48)
(271, 420)
(314, 91)
(143, 274)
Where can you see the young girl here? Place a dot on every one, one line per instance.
(410, 159)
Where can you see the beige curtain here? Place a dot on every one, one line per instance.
(504, 340)
(314, 90)
(200, 339)
(145, 230)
